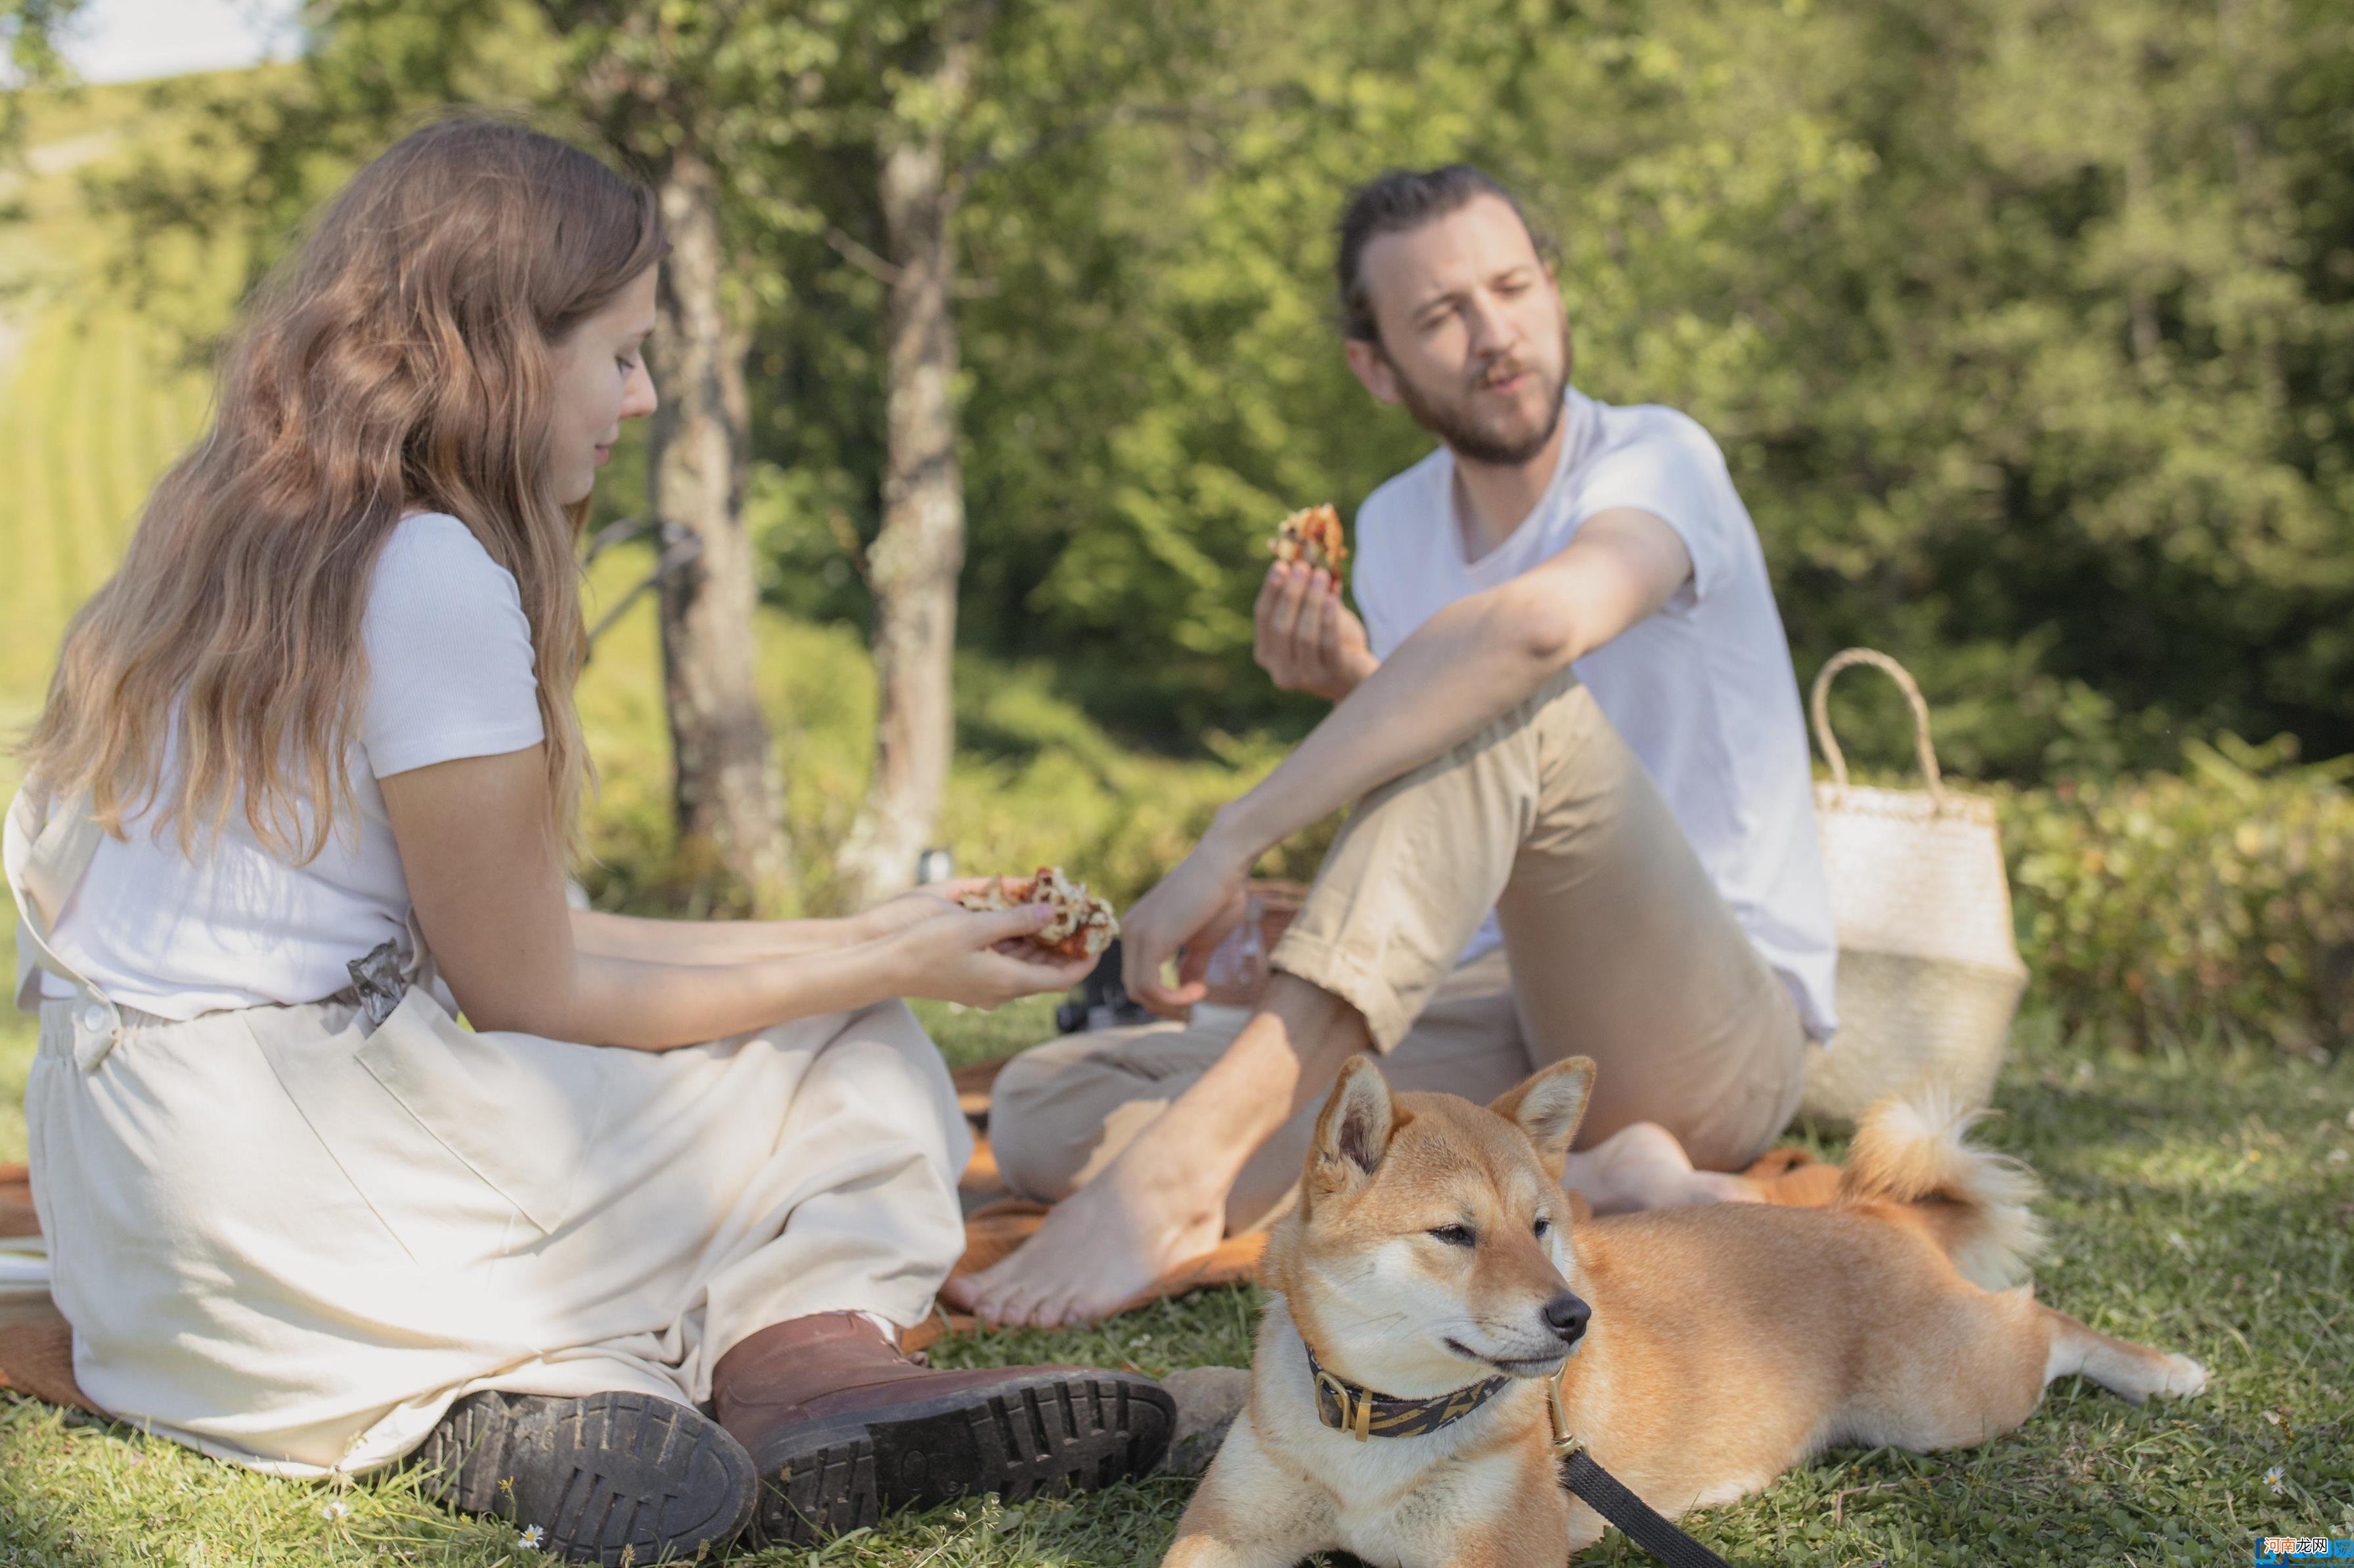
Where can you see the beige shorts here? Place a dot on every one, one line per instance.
(1616, 945)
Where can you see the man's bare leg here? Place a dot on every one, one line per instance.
(1163, 1199)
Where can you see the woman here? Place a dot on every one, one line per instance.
(321, 724)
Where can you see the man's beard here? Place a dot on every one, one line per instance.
(1453, 422)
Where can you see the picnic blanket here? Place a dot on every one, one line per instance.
(36, 1346)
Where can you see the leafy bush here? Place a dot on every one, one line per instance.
(2221, 898)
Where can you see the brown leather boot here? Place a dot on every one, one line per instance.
(841, 1426)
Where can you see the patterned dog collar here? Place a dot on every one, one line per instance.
(1346, 1407)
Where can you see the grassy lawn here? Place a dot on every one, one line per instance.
(2200, 1201)
(2203, 1200)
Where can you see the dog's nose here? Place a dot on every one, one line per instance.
(1566, 1315)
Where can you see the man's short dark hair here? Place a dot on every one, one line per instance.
(1404, 199)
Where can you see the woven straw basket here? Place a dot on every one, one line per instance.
(1929, 973)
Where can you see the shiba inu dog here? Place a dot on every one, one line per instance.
(1433, 1300)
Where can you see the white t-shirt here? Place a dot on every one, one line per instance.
(449, 675)
(1703, 691)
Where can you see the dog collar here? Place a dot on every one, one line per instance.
(1347, 1407)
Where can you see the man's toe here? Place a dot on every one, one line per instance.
(1009, 1307)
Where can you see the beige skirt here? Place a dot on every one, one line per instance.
(291, 1241)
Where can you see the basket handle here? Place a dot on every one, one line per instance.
(1820, 703)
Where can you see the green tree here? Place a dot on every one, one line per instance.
(2024, 327)
(699, 96)
(942, 96)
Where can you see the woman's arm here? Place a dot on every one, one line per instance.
(485, 873)
(706, 941)
(741, 941)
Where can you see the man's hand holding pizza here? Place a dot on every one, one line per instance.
(1304, 637)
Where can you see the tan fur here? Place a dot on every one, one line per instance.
(1728, 1342)
(1912, 1154)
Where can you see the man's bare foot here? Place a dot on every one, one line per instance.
(1643, 1166)
(1141, 1217)
(1162, 1200)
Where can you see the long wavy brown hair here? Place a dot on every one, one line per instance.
(399, 361)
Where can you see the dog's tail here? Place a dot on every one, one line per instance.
(1914, 1149)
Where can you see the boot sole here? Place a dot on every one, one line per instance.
(603, 1476)
(1033, 1434)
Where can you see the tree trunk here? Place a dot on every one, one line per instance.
(726, 793)
(913, 567)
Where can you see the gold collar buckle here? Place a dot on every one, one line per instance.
(1565, 1443)
(1356, 1420)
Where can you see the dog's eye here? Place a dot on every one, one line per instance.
(1543, 1225)
(1455, 1235)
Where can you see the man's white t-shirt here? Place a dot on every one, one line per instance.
(1703, 691)
(450, 674)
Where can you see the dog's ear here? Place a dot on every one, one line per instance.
(1549, 1104)
(1353, 1132)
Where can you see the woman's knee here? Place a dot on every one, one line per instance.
(894, 1023)
(889, 1032)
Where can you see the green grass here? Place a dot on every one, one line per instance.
(2200, 1201)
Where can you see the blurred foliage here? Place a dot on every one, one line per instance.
(2026, 327)
(30, 31)
(2221, 898)
(2149, 906)
(1035, 780)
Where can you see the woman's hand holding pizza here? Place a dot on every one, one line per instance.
(980, 958)
(917, 904)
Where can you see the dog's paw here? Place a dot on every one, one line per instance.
(2184, 1377)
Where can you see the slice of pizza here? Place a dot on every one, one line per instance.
(1083, 925)
(1313, 535)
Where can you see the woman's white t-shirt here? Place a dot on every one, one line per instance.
(450, 674)
(1702, 690)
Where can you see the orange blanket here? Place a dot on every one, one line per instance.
(36, 1348)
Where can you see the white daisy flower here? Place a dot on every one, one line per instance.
(2276, 1479)
(336, 1510)
(530, 1539)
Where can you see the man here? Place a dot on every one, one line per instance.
(1572, 703)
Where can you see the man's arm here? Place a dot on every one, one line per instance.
(1471, 662)
(1475, 660)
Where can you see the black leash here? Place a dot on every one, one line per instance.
(1607, 1496)
(1644, 1526)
